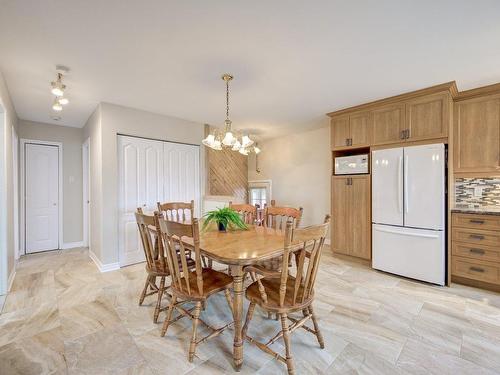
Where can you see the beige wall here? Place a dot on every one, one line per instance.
(71, 139)
(8, 124)
(299, 166)
(110, 120)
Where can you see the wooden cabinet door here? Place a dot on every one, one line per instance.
(360, 217)
(341, 231)
(388, 123)
(360, 128)
(476, 135)
(340, 132)
(428, 117)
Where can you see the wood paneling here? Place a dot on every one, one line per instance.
(360, 126)
(340, 131)
(360, 217)
(388, 123)
(341, 225)
(227, 173)
(428, 117)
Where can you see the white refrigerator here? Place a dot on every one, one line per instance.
(408, 212)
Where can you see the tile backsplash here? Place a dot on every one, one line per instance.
(477, 192)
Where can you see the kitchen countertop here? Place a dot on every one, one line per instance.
(477, 210)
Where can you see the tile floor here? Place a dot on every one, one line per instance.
(63, 316)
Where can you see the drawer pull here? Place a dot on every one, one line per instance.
(477, 251)
(476, 236)
(476, 269)
(476, 221)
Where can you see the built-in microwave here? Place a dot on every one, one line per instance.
(355, 164)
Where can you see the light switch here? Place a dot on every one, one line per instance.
(478, 191)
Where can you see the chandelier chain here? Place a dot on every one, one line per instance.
(227, 100)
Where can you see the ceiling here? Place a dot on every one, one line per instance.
(293, 61)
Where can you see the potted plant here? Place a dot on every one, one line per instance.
(226, 218)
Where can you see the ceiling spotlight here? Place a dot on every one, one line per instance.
(63, 100)
(57, 106)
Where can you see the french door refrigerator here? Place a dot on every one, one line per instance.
(408, 212)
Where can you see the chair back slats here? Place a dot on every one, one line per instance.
(247, 212)
(177, 211)
(148, 226)
(172, 235)
(277, 217)
(311, 241)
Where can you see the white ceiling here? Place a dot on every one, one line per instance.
(293, 61)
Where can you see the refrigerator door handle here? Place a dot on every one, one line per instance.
(407, 233)
(400, 183)
(406, 197)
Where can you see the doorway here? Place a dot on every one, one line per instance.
(41, 211)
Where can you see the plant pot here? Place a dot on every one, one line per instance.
(222, 227)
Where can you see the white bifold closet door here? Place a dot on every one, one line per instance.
(149, 172)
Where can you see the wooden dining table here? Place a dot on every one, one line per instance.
(238, 249)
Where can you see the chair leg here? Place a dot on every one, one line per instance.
(319, 336)
(250, 311)
(196, 315)
(286, 339)
(145, 290)
(166, 323)
(161, 289)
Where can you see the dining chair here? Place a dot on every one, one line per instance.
(191, 286)
(176, 211)
(247, 211)
(284, 293)
(156, 264)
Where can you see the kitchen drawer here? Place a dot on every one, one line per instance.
(476, 251)
(484, 222)
(472, 236)
(475, 269)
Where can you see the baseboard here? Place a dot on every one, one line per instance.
(71, 245)
(103, 267)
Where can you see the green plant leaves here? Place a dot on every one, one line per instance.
(226, 216)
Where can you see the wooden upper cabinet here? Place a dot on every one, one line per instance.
(341, 225)
(340, 132)
(388, 124)
(351, 130)
(428, 117)
(476, 135)
(360, 127)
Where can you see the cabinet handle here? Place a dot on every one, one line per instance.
(476, 251)
(402, 135)
(476, 236)
(476, 221)
(407, 133)
(476, 269)
(347, 141)
(350, 141)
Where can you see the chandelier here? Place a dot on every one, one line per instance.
(218, 140)
(58, 88)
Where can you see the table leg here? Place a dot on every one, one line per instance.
(237, 273)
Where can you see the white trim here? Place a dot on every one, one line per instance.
(11, 279)
(4, 279)
(72, 245)
(15, 184)
(86, 191)
(22, 228)
(103, 267)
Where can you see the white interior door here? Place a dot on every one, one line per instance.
(387, 186)
(424, 181)
(182, 174)
(42, 197)
(140, 164)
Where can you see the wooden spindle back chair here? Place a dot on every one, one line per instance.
(190, 286)
(177, 211)
(156, 263)
(277, 217)
(247, 211)
(285, 292)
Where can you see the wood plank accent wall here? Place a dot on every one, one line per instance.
(227, 172)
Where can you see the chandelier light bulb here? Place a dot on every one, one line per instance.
(57, 106)
(228, 139)
(256, 150)
(236, 145)
(63, 100)
(217, 145)
(243, 151)
(246, 141)
(209, 140)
